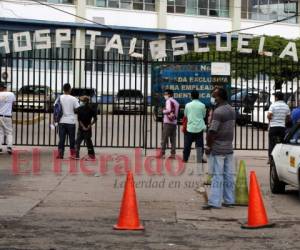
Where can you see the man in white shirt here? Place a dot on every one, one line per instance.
(278, 115)
(66, 125)
(6, 103)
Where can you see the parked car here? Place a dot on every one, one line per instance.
(35, 97)
(243, 102)
(129, 101)
(285, 162)
(91, 92)
(262, 105)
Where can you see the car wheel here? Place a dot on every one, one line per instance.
(241, 121)
(115, 112)
(47, 108)
(277, 186)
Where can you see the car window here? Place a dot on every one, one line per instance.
(130, 93)
(81, 92)
(32, 90)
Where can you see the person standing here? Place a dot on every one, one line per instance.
(220, 151)
(278, 115)
(295, 117)
(87, 117)
(7, 99)
(66, 125)
(195, 112)
(170, 113)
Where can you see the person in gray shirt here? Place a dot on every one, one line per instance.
(220, 151)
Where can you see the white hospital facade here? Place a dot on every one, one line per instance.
(144, 19)
(201, 16)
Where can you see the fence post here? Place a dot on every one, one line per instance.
(146, 43)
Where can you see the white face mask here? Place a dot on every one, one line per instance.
(213, 101)
(166, 97)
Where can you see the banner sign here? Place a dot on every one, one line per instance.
(44, 39)
(182, 79)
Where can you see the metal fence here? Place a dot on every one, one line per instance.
(120, 87)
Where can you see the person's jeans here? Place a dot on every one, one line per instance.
(189, 138)
(169, 131)
(85, 136)
(222, 185)
(276, 135)
(65, 129)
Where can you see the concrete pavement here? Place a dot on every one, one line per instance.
(77, 211)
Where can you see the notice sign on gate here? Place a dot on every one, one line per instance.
(182, 78)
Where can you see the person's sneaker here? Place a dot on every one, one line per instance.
(160, 156)
(9, 150)
(75, 157)
(228, 205)
(204, 161)
(89, 158)
(209, 207)
(172, 156)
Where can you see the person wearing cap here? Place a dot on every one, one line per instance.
(278, 115)
(7, 99)
(87, 117)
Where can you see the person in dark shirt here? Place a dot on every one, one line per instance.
(87, 116)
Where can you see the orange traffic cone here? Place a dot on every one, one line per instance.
(257, 216)
(129, 215)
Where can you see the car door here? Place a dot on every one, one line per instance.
(282, 154)
(292, 161)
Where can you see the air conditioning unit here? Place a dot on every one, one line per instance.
(5, 74)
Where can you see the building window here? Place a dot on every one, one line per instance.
(216, 8)
(176, 6)
(148, 5)
(267, 10)
(61, 1)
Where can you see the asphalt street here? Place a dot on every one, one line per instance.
(48, 210)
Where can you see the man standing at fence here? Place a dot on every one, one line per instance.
(195, 113)
(66, 125)
(169, 123)
(278, 115)
(6, 130)
(87, 117)
(220, 150)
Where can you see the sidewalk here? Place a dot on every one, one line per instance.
(76, 211)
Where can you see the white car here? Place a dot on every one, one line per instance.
(285, 162)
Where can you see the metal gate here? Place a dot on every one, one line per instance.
(120, 87)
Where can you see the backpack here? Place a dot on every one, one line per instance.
(58, 111)
(171, 116)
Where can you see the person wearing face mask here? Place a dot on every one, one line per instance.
(87, 117)
(170, 113)
(195, 112)
(220, 150)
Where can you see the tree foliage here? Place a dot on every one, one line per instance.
(248, 66)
